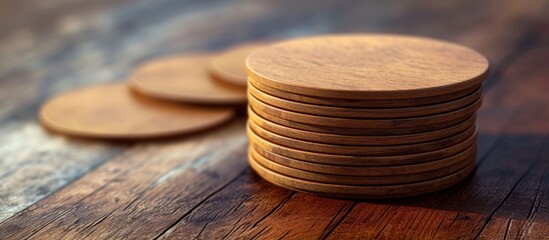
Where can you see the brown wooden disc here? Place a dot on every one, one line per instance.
(366, 171)
(389, 150)
(358, 131)
(340, 139)
(334, 102)
(184, 79)
(261, 107)
(356, 180)
(230, 65)
(261, 144)
(368, 66)
(354, 191)
(328, 111)
(112, 111)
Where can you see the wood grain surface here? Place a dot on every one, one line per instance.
(123, 114)
(367, 66)
(200, 186)
(355, 140)
(185, 79)
(230, 65)
(389, 150)
(329, 111)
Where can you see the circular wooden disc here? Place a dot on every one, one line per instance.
(389, 150)
(185, 79)
(334, 102)
(354, 191)
(261, 144)
(366, 171)
(359, 140)
(328, 111)
(112, 111)
(358, 131)
(230, 65)
(362, 180)
(368, 67)
(261, 107)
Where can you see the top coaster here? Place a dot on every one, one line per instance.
(367, 67)
(230, 66)
(112, 111)
(185, 79)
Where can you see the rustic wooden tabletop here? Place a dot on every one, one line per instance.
(201, 186)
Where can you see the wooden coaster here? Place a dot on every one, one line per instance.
(328, 111)
(350, 103)
(261, 144)
(368, 67)
(112, 111)
(354, 191)
(356, 180)
(230, 66)
(359, 140)
(358, 131)
(185, 79)
(261, 107)
(389, 150)
(366, 171)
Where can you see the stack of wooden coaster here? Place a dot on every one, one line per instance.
(364, 116)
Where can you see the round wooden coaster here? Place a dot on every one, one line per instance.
(185, 79)
(328, 111)
(350, 103)
(261, 107)
(354, 191)
(230, 65)
(362, 180)
(389, 150)
(358, 131)
(261, 144)
(366, 171)
(112, 111)
(359, 140)
(368, 67)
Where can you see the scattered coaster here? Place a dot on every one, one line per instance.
(389, 150)
(112, 111)
(362, 192)
(185, 79)
(368, 67)
(328, 111)
(340, 139)
(230, 66)
(361, 180)
(366, 171)
(261, 144)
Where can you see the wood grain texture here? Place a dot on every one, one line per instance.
(123, 114)
(389, 150)
(367, 66)
(53, 47)
(354, 140)
(329, 111)
(185, 79)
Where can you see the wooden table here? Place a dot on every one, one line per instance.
(201, 186)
